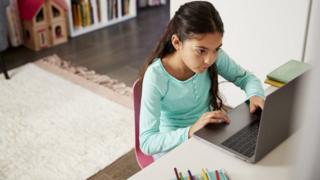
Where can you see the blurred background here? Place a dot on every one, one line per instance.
(110, 37)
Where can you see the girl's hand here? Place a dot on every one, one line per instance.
(209, 117)
(255, 102)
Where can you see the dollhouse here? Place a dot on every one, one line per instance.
(44, 23)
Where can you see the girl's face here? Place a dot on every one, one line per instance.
(200, 52)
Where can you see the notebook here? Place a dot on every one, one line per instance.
(288, 71)
(274, 83)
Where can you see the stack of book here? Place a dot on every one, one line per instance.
(286, 72)
(88, 12)
(82, 13)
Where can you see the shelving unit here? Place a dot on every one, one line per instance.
(96, 14)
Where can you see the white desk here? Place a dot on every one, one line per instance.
(195, 155)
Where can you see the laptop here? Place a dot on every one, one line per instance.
(250, 136)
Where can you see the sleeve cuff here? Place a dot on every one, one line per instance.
(186, 134)
(258, 94)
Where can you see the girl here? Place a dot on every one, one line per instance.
(180, 80)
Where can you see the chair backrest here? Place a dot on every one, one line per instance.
(142, 159)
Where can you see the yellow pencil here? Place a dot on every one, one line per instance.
(204, 174)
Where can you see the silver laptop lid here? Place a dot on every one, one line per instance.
(277, 118)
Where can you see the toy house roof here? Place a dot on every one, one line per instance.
(29, 8)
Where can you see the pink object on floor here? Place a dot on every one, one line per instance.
(142, 159)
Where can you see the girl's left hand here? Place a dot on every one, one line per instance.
(255, 102)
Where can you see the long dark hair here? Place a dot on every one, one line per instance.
(193, 18)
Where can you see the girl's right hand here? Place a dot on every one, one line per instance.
(209, 117)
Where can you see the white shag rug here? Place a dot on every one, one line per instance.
(51, 128)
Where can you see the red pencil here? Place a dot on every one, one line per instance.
(217, 175)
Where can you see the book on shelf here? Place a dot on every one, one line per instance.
(112, 9)
(82, 13)
(125, 7)
(98, 9)
(89, 12)
(286, 72)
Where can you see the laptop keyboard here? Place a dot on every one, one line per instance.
(244, 141)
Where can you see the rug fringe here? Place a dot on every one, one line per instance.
(91, 75)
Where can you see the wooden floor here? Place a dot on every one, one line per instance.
(121, 169)
(118, 50)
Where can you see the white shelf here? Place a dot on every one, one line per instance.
(73, 32)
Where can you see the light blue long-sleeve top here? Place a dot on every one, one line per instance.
(169, 107)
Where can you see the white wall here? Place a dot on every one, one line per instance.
(308, 159)
(261, 35)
